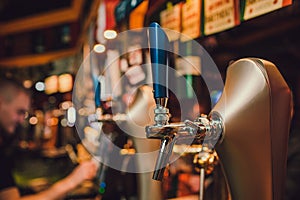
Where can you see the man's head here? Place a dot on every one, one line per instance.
(14, 103)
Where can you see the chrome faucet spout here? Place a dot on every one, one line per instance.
(163, 157)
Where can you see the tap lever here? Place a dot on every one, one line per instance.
(159, 44)
(201, 128)
(97, 94)
(186, 130)
(169, 130)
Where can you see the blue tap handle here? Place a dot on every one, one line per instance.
(159, 44)
(97, 94)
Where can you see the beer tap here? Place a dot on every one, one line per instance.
(99, 116)
(102, 143)
(158, 42)
(206, 129)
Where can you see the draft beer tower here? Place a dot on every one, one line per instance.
(248, 127)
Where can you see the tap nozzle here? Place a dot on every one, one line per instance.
(165, 151)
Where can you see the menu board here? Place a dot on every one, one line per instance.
(254, 8)
(171, 19)
(191, 19)
(220, 15)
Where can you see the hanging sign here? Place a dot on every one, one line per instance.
(110, 6)
(171, 19)
(254, 8)
(124, 8)
(137, 16)
(191, 19)
(220, 15)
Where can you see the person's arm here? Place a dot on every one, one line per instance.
(9, 193)
(85, 171)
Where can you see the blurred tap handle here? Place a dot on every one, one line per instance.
(98, 95)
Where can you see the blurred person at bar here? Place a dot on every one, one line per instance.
(14, 103)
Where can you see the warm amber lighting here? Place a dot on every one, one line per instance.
(51, 84)
(33, 120)
(110, 34)
(27, 83)
(65, 83)
(66, 104)
(127, 151)
(52, 121)
(54, 83)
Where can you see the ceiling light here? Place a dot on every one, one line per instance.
(110, 34)
(99, 48)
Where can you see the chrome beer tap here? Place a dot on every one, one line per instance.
(206, 129)
(158, 42)
(252, 149)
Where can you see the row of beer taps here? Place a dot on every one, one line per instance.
(205, 129)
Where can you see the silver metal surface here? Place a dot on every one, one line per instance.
(202, 179)
(256, 107)
(249, 126)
